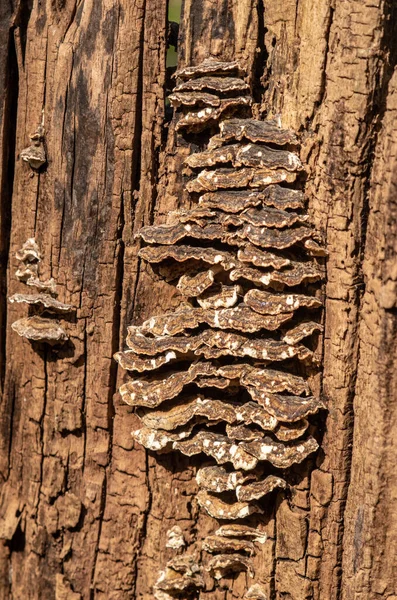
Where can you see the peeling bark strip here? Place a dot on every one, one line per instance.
(251, 419)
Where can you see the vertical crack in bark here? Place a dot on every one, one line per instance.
(136, 148)
(100, 521)
(145, 515)
(36, 212)
(41, 425)
(155, 153)
(12, 393)
(136, 154)
(71, 21)
(372, 120)
(116, 321)
(83, 405)
(65, 110)
(296, 15)
(272, 579)
(9, 118)
(261, 56)
(323, 85)
(22, 21)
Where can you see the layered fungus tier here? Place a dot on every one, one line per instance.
(227, 375)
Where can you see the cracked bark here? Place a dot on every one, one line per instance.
(84, 511)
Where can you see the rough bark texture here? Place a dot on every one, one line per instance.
(84, 511)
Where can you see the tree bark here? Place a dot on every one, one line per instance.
(84, 510)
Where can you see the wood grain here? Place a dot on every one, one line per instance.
(83, 511)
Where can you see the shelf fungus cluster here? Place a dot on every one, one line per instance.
(226, 376)
(41, 325)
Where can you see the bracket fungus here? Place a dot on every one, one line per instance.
(218, 85)
(217, 544)
(226, 564)
(43, 301)
(242, 531)
(29, 253)
(41, 326)
(182, 575)
(227, 376)
(38, 329)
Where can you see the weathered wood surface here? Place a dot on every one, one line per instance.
(84, 511)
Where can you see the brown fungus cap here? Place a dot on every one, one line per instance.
(182, 574)
(195, 285)
(276, 381)
(257, 489)
(216, 342)
(217, 479)
(38, 329)
(193, 99)
(186, 409)
(223, 296)
(44, 301)
(277, 239)
(231, 201)
(218, 447)
(217, 85)
(262, 258)
(256, 131)
(185, 253)
(210, 66)
(157, 440)
(280, 455)
(283, 198)
(130, 361)
(314, 249)
(153, 391)
(219, 509)
(223, 565)
(301, 331)
(172, 233)
(267, 303)
(284, 407)
(217, 544)
(197, 120)
(245, 177)
(243, 433)
(286, 432)
(295, 275)
(245, 155)
(241, 317)
(239, 530)
(269, 216)
(49, 285)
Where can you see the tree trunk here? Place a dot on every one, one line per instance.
(85, 510)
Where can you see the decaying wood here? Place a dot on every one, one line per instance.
(84, 510)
